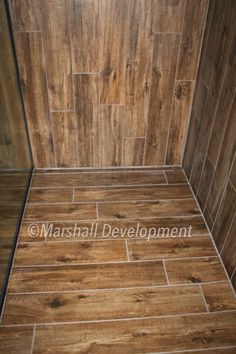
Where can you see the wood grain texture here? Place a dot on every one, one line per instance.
(219, 297)
(175, 177)
(14, 339)
(33, 79)
(111, 133)
(113, 23)
(229, 248)
(81, 277)
(65, 138)
(25, 15)
(70, 253)
(168, 15)
(53, 195)
(100, 305)
(195, 270)
(139, 51)
(84, 35)
(87, 117)
(55, 28)
(193, 27)
(59, 212)
(205, 181)
(158, 208)
(132, 193)
(181, 333)
(179, 121)
(133, 151)
(170, 248)
(163, 74)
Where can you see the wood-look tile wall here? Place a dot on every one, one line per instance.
(108, 82)
(209, 160)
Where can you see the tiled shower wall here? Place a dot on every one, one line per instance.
(108, 82)
(209, 160)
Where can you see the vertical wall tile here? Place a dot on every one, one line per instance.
(87, 116)
(139, 50)
(33, 78)
(193, 27)
(56, 35)
(84, 35)
(114, 26)
(133, 150)
(179, 121)
(167, 15)
(205, 182)
(111, 133)
(162, 83)
(65, 138)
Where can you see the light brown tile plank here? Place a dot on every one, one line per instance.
(198, 270)
(12, 195)
(133, 151)
(111, 134)
(70, 253)
(179, 121)
(84, 35)
(33, 77)
(83, 277)
(50, 195)
(10, 212)
(167, 16)
(13, 180)
(162, 83)
(141, 336)
(139, 50)
(193, 27)
(113, 23)
(16, 340)
(56, 34)
(132, 193)
(60, 212)
(65, 138)
(87, 119)
(219, 296)
(99, 179)
(7, 231)
(171, 248)
(158, 208)
(102, 305)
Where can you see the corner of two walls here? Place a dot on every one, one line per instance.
(108, 82)
(209, 159)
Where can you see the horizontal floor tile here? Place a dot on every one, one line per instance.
(51, 195)
(171, 248)
(139, 336)
(159, 208)
(16, 340)
(98, 179)
(102, 304)
(70, 252)
(198, 270)
(82, 277)
(175, 177)
(219, 296)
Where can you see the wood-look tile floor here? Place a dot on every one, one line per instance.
(116, 294)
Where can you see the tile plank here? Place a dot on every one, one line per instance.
(171, 248)
(167, 16)
(102, 305)
(219, 297)
(84, 277)
(198, 270)
(140, 336)
(133, 151)
(50, 195)
(158, 208)
(59, 253)
(16, 340)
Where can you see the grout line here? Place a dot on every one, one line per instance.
(203, 297)
(109, 262)
(212, 239)
(33, 338)
(127, 249)
(199, 350)
(115, 169)
(190, 314)
(166, 178)
(164, 266)
(118, 288)
(73, 195)
(97, 210)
